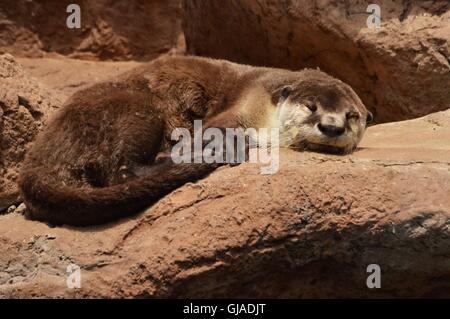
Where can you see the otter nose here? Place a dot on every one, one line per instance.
(331, 130)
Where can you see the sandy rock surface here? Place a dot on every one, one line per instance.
(65, 76)
(110, 29)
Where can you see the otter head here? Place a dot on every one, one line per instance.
(320, 113)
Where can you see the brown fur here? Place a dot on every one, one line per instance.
(95, 161)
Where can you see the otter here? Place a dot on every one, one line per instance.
(99, 159)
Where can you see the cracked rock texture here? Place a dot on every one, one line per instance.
(110, 29)
(310, 230)
(400, 70)
(24, 108)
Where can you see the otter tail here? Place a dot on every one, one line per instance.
(61, 204)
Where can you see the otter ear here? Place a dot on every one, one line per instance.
(369, 118)
(281, 94)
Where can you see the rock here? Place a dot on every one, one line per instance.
(21, 209)
(65, 76)
(110, 29)
(429, 132)
(25, 106)
(310, 230)
(400, 70)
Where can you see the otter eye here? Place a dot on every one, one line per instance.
(312, 106)
(352, 115)
(286, 91)
(369, 118)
